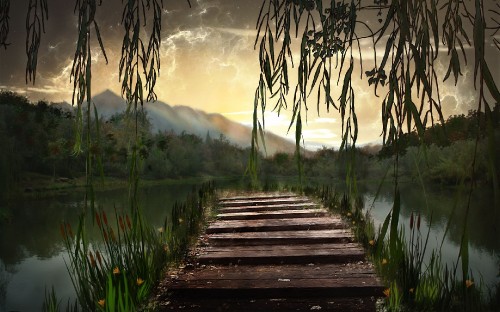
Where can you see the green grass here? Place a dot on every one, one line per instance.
(412, 283)
(118, 271)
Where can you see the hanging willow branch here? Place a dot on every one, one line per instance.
(327, 45)
(81, 74)
(4, 22)
(139, 67)
(410, 33)
(35, 25)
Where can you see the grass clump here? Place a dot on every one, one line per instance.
(119, 271)
(415, 278)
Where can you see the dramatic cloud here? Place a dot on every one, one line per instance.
(208, 62)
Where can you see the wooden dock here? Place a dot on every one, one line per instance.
(274, 253)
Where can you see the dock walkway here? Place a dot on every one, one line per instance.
(278, 252)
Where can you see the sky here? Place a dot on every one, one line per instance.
(208, 62)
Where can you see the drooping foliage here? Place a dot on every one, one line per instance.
(413, 35)
(329, 37)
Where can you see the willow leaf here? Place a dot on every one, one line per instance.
(262, 138)
(464, 252)
(490, 82)
(383, 233)
(395, 221)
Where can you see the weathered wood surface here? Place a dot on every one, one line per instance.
(257, 197)
(296, 206)
(266, 201)
(291, 224)
(279, 214)
(274, 253)
(350, 304)
(281, 237)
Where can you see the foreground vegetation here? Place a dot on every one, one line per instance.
(118, 269)
(415, 276)
(127, 273)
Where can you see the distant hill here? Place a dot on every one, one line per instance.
(164, 117)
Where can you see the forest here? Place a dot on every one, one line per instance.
(39, 139)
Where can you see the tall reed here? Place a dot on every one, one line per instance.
(118, 272)
(415, 276)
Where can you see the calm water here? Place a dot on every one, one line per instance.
(31, 252)
(483, 224)
(32, 256)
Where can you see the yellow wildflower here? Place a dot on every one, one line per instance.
(387, 292)
(181, 220)
(349, 214)
(412, 290)
(160, 230)
(116, 271)
(469, 283)
(101, 303)
(384, 261)
(139, 281)
(371, 242)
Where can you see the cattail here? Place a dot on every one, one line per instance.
(92, 259)
(411, 221)
(63, 233)
(68, 229)
(98, 219)
(418, 222)
(98, 256)
(128, 222)
(112, 234)
(105, 218)
(120, 219)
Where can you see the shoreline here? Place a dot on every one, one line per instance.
(46, 187)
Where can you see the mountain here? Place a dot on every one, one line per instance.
(164, 117)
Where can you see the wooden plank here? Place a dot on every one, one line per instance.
(279, 248)
(302, 224)
(263, 288)
(276, 272)
(289, 254)
(276, 252)
(249, 304)
(257, 197)
(279, 214)
(266, 202)
(268, 208)
(281, 237)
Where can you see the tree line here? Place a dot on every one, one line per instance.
(39, 138)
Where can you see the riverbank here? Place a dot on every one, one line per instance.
(34, 185)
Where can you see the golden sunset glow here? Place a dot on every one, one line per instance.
(208, 62)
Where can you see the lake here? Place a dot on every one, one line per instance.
(32, 255)
(31, 250)
(483, 223)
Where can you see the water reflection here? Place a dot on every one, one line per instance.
(31, 250)
(483, 220)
